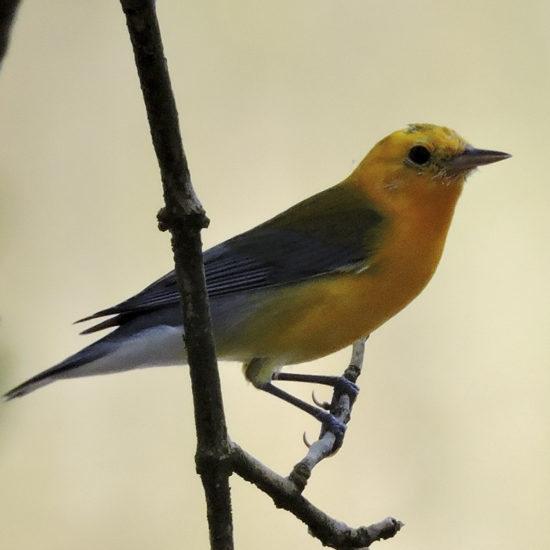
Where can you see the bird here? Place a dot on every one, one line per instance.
(309, 281)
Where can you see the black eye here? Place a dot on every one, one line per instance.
(419, 154)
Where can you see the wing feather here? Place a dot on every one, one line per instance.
(285, 250)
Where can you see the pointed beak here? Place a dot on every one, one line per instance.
(472, 158)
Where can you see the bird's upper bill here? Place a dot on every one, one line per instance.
(472, 158)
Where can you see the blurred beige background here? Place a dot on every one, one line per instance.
(277, 101)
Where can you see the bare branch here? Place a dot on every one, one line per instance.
(184, 216)
(285, 494)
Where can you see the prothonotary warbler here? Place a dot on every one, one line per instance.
(310, 281)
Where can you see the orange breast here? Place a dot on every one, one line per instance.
(320, 316)
(312, 319)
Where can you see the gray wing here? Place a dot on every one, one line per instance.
(285, 250)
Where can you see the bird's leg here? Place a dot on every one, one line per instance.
(339, 383)
(330, 422)
(259, 370)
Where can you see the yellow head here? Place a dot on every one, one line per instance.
(421, 165)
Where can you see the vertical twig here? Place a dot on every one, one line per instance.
(184, 216)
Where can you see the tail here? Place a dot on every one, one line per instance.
(119, 351)
(65, 369)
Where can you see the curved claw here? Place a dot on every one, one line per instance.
(305, 440)
(321, 404)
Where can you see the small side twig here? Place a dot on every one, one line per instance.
(340, 406)
(286, 495)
